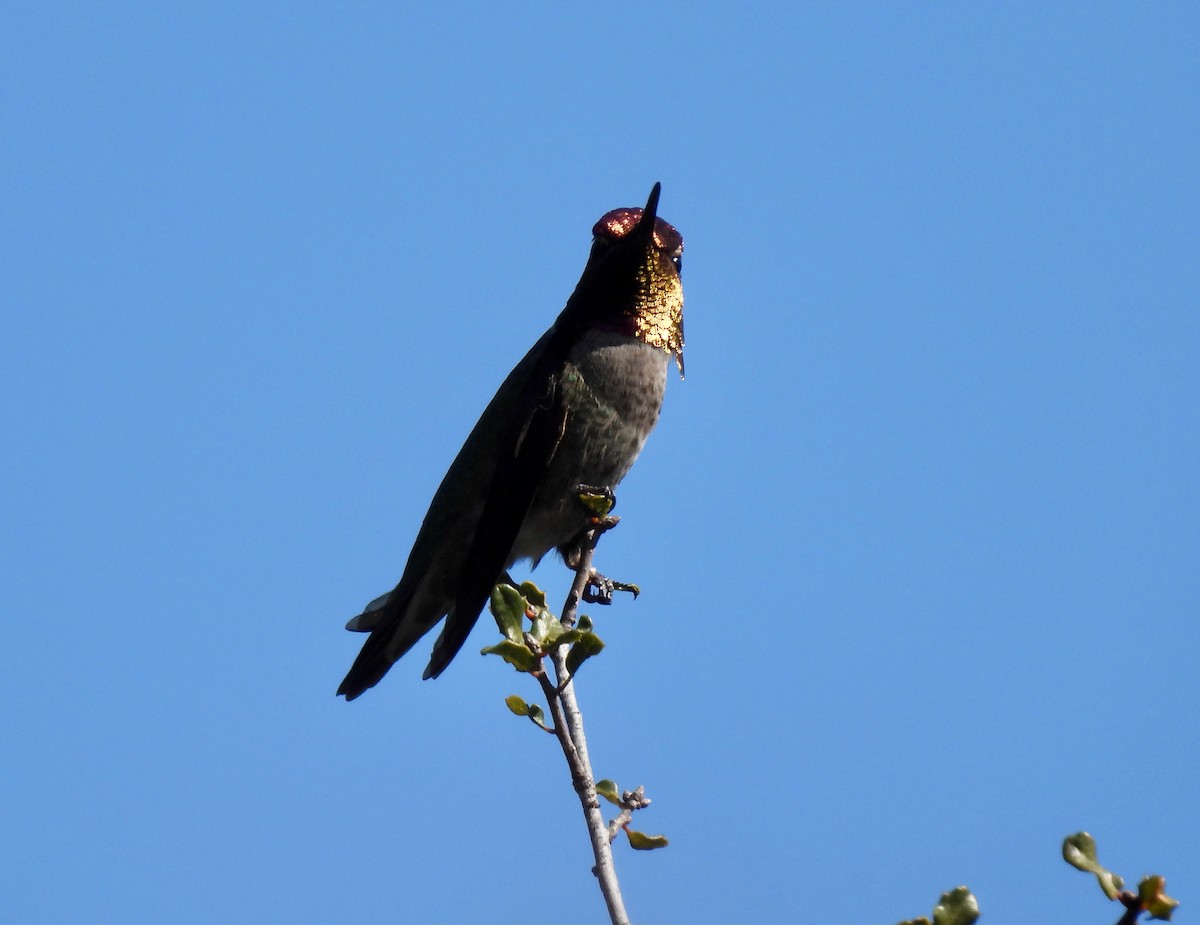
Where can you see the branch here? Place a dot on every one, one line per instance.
(1133, 908)
(568, 726)
(631, 802)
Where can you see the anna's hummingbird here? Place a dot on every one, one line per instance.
(575, 411)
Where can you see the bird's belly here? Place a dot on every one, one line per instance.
(613, 388)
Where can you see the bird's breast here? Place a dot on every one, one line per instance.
(613, 386)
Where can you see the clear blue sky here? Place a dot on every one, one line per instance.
(919, 535)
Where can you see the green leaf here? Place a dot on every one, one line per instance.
(568, 637)
(1079, 850)
(516, 654)
(537, 716)
(1110, 883)
(643, 842)
(1154, 900)
(533, 594)
(584, 623)
(508, 607)
(546, 628)
(957, 907)
(917, 921)
(585, 647)
(608, 789)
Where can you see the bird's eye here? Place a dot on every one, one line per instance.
(678, 261)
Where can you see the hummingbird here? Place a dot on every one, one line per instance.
(575, 411)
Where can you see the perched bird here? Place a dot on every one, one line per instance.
(575, 411)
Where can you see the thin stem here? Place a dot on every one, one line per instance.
(568, 726)
(1133, 908)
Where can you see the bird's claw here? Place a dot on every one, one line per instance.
(597, 500)
(600, 590)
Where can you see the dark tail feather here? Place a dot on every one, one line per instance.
(368, 669)
(394, 630)
(451, 639)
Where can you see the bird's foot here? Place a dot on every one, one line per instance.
(600, 590)
(572, 552)
(597, 500)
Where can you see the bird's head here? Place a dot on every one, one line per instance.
(631, 280)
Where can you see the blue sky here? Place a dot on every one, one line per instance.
(919, 535)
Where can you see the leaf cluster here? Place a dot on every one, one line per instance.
(956, 907)
(524, 648)
(1079, 850)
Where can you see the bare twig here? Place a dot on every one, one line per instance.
(568, 727)
(631, 801)
(1133, 907)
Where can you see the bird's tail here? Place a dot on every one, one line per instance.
(394, 630)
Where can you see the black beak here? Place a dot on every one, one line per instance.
(645, 225)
